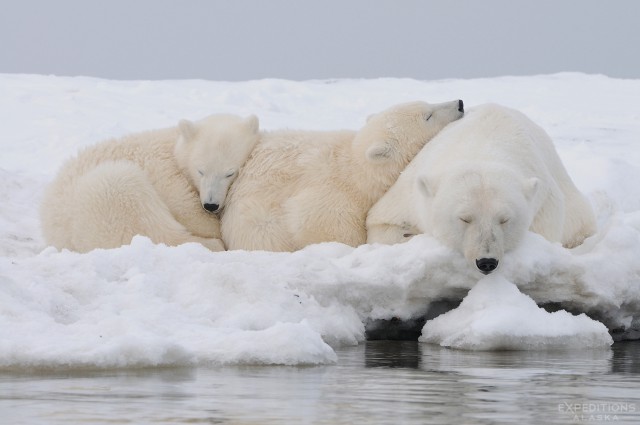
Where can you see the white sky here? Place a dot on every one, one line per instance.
(304, 39)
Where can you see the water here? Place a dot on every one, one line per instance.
(385, 382)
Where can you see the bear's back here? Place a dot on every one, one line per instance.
(145, 149)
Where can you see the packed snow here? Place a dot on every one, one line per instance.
(146, 305)
(495, 315)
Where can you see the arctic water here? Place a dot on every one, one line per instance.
(381, 382)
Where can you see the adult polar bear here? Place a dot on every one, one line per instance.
(157, 183)
(301, 187)
(479, 185)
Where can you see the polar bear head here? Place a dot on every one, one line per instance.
(211, 151)
(394, 136)
(480, 210)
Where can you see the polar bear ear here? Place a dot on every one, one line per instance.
(252, 123)
(379, 152)
(187, 129)
(426, 186)
(531, 187)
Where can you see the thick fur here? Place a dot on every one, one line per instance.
(303, 187)
(480, 184)
(153, 184)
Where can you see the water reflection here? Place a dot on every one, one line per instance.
(523, 387)
(376, 382)
(393, 354)
(626, 357)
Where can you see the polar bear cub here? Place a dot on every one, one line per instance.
(305, 187)
(480, 185)
(164, 184)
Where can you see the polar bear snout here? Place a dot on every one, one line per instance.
(460, 106)
(211, 207)
(486, 265)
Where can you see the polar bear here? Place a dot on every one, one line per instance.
(165, 184)
(304, 187)
(479, 185)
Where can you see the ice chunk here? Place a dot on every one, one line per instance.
(495, 315)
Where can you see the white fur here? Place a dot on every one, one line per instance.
(480, 184)
(153, 184)
(301, 187)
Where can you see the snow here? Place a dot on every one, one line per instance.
(495, 315)
(147, 305)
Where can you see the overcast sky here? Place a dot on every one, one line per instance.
(304, 39)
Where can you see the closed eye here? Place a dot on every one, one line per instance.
(230, 174)
(429, 117)
(200, 172)
(465, 219)
(504, 220)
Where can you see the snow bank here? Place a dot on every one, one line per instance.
(148, 305)
(495, 315)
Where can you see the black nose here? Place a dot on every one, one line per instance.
(486, 265)
(211, 207)
(460, 106)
